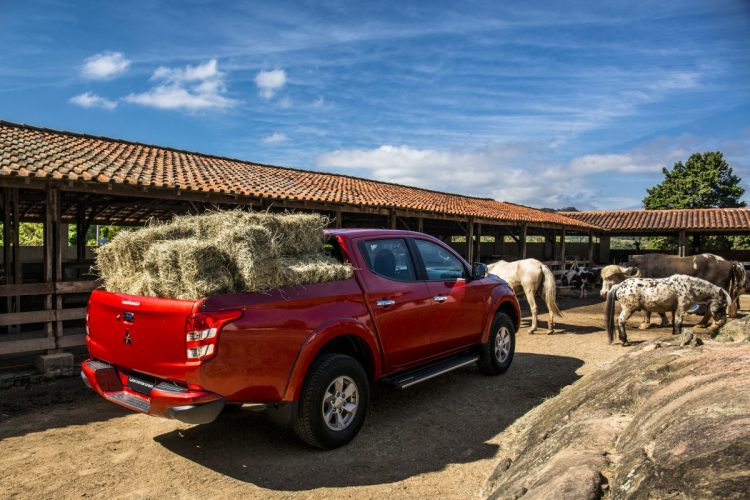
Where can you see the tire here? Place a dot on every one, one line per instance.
(328, 380)
(496, 355)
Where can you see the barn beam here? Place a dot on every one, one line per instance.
(590, 250)
(470, 241)
(478, 244)
(562, 248)
(522, 241)
(682, 243)
(60, 237)
(339, 219)
(49, 253)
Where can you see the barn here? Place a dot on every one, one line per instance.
(68, 183)
(689, 227)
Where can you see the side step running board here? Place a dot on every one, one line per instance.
(417, 375)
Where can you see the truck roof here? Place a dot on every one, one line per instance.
(354, 232)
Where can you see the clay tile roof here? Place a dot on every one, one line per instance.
(43, 153)
(689, 219)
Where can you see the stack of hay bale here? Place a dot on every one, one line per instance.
(195, 256)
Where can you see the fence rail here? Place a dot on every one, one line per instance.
(52, 316)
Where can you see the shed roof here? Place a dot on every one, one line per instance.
(660, 221)
(45, 154)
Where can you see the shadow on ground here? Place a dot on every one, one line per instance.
(421, 429)
(65, 395)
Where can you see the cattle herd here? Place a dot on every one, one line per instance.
(652, 283)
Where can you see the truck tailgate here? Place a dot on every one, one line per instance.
(144, 334)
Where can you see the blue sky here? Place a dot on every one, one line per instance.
(542, 103)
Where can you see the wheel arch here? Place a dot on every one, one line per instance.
(351, 338)
(508, 307)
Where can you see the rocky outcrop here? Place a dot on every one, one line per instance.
(665, 421)
(736, 330)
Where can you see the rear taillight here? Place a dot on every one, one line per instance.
(202, 332)
(88, 306)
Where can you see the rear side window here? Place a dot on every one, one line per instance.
(389, 258)
(439, 263)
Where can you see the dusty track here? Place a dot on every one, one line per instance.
(435, 439)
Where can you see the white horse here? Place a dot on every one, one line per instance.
(529, 275)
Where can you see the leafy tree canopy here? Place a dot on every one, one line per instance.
(704, 181)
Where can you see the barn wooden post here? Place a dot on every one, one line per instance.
(339, 219)
(478, 251)
(682, 243)
(497, 248)
(7, 246)
(17, 264)
(13, 264)
(562, 249)
(604, 248)
(590, 253)
(60, 238)
(420, 224)
(81, 230)
(470, 241)
(393, 222)
(522, 241)
(49, 250)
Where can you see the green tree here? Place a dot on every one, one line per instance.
(704, 181)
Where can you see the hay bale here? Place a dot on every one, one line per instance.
(188, 269)
(219, 252)
(291, 233)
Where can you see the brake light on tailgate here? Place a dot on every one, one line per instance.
(202, 332)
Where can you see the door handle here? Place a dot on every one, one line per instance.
(440, 298)
(385, 303)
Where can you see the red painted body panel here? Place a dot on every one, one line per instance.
(264, 355)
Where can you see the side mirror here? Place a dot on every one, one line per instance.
(479, 271)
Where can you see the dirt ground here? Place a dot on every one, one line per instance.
(436, 439)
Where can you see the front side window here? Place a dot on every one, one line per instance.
(389, 258)
(439, 263)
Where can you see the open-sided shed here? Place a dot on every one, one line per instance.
(688, 225)
(61, 179)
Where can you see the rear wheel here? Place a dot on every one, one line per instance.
(333, 402)
(497, 354)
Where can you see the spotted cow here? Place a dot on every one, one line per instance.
(676, 294)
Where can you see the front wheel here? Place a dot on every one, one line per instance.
(333, 402)
(496, 355)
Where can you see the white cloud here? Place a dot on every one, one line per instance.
(624, 163)
(104, 65)
(275, 138)
(285, 103)
(89, 100)
(457, 171)
(530, 173)
(190, 88)
(270, 82)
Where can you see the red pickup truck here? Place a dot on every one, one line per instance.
(308, 354)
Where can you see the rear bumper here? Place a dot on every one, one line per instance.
(162, 399)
